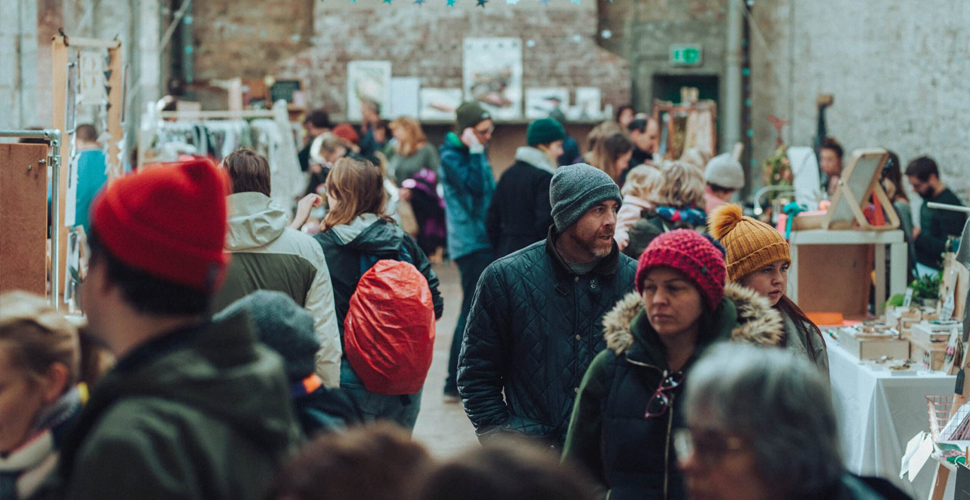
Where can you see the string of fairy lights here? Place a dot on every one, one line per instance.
(478, 3)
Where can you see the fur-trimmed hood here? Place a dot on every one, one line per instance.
(757, 322)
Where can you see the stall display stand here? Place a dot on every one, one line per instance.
(676, 135)
(23, 217)
(830, 269)
(66, 72)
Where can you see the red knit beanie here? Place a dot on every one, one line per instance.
(691, 254)
(346, 132)
(168, 221)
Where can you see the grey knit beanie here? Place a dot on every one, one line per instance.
(724, 171)
(283, 326)
(576, 189)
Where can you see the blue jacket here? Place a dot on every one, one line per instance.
(468, 184)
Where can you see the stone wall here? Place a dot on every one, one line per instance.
(899, 74)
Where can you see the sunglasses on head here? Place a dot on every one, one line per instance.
(660, 400)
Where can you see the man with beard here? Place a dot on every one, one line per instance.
(535, 323)
(935, 225)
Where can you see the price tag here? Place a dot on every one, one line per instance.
(948, 307)
(908, 298)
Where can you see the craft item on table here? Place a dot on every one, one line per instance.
(873, 344)
(918, 452)
(934, 332)
(929, 356)
(958, 426)
(859, 182)
(92, 82)
(805, 177)
(492, 75)
(954, 353)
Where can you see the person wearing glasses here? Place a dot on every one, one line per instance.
(759, 426)
(628, 406)
(468, 183)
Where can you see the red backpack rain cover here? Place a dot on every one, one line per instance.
(389, 329)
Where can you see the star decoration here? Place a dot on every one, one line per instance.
(574, 1)
(419, 3)
(451, 3)
(481, 3)
(544, 2)
(387, 1)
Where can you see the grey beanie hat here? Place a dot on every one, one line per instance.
(283, 326)
(724, 171)
(577, 188)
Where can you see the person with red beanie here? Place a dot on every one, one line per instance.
(194, 408)
(626, 413)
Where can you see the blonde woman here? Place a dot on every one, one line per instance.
(40, 396)
(639, 195)
(679, 205)
(357, 226)
(413, 152)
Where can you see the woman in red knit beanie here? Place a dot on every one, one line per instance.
(626, 411)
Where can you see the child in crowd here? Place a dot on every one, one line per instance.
(680, 205)
(639, 195)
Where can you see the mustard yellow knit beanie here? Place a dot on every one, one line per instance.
(750, 243)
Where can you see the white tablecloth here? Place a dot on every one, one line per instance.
(878, 414)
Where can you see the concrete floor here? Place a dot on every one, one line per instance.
(443, 427)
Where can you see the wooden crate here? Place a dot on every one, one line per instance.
(23, 218)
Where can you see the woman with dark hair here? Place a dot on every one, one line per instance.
(758, 258)
(830, 160)
(612, 155)
(355, 228)
(628, 405)
(892, 183)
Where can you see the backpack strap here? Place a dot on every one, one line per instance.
(367, 261)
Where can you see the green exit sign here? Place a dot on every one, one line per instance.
(685, 55)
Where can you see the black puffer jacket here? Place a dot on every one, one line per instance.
(533, 330)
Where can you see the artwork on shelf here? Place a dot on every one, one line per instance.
(404, 97)
(589, 103)
(439, 104)
(368, 81)
(540, 102)
(492, 75)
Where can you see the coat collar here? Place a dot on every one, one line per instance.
(607, 267)
(742, 316)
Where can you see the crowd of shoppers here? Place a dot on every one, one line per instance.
(624, 329)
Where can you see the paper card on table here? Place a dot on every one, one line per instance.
(908, 298)
(923, 452)
(911, 448)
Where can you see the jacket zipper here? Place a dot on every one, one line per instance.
(670, 425)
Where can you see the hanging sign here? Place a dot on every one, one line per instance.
(685, 55)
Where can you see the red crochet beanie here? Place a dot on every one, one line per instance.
(691, 254)
(168, 221)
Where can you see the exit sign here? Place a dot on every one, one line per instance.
(685, 55)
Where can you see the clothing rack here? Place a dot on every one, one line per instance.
(288, 181)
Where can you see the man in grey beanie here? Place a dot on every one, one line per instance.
(536, 320)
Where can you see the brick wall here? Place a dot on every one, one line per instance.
(427, 43)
